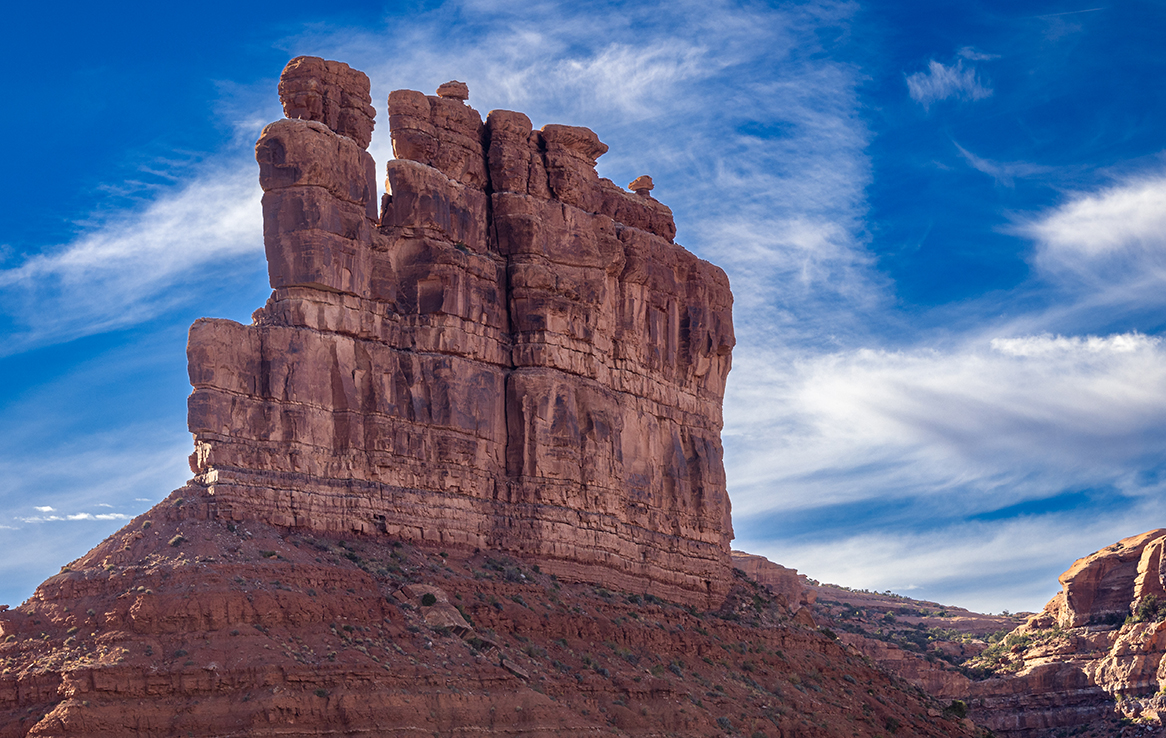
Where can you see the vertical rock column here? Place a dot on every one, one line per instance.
(512, 354)
(621, 347)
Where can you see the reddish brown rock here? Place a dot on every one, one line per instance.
(642, 185)
(330, 92)
(1094, 654)
(1102, 585)
(792, 588)
(454, 90)
(526, 367)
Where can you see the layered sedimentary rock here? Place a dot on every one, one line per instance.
(1095, 650)
(794, 589)
(508, 353)
(182, 624)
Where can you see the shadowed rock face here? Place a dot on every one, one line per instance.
(510, 353)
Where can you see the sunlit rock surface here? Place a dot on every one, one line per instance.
(512, 355)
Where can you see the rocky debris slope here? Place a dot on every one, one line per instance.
(1091, 657)
(507, 352)
(185, 624)
(924, 642)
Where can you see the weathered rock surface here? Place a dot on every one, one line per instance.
(792, 588)
(331, 92)
(1093, 654)
(511, 355)
(183, 624)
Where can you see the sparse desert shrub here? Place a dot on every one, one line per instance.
(957, 709)
(1149, 610)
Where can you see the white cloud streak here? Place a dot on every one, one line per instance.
(1122, 227)
(74, 517)
(136, 264)
(996, 422)
(1005, 173)
(941, 82)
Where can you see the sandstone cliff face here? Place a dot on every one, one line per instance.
(1094, 651)
(794, 589)
(509, 353)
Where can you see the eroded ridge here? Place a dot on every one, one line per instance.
(506, 352)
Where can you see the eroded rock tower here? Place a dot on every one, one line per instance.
(506, 352)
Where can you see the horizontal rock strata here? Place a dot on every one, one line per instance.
(1094, 652)
(508, 353)
(182, 624)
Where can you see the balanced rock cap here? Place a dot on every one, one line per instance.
(454, 90)
(642, 185)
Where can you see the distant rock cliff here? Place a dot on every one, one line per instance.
(508, 353)
(1093, 655)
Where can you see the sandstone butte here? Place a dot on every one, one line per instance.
(461, 475)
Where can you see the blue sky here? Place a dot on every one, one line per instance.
(945, 229)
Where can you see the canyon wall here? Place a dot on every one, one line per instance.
(506, 352)
(1094, 654)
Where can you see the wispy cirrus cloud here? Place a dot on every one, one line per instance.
(931, 456)
(134, 264)
(1103, 252)
(929, 459)
(73, 517)
(986, 566)
(942, 82)
(1005, 173)
(999, 420)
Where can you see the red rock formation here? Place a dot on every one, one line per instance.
(185, 625)
(1095, 651)
(513, 356)
(792, 588)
